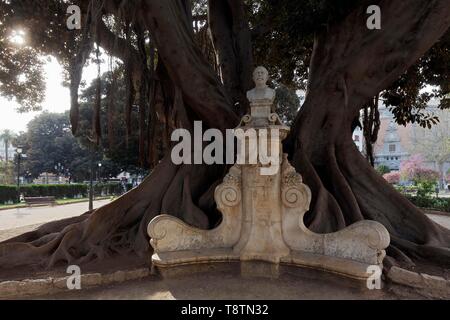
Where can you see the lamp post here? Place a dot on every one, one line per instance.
(99, 173)
(59, 168)
(19, 152)
(91, 183)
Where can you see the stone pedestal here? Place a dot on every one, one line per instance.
(263, 220)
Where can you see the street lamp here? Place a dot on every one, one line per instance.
(99, 175)
(59, 168)
(19, 152)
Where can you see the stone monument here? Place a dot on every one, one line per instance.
(263, 215)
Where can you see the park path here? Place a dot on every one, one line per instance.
(22, 217)
(17, 221)
(442, 220)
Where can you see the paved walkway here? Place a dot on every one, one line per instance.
(442, 220)
(22, 217)
(17, 221)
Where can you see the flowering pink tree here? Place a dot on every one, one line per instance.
(408, 168)
(392, 177)
(426, 175)
(413, 169)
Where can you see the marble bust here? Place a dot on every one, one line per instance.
(261, 95)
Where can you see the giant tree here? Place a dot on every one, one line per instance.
(176, 74)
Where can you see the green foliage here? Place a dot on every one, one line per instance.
(284, 33)
(406, 190)
(21, 71)
(7, 173)
(287, 103)
(282, 37)
(123, 155)
(439, 204)
(425, 189)
(407, 99)
(7, 194)
(55, 190)
(383, 169)
(48, 141)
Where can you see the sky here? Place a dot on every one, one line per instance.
(57, 97)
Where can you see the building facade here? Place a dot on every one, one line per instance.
(397, 143)
(391, 148)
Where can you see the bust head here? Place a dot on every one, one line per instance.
(260, 76)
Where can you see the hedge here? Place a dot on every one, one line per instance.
(8, 194)
(59, 191)
(439, 204)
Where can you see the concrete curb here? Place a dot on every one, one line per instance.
(440, 213)
(40, 287)
(436, 287)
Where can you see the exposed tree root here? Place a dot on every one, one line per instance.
(118, 227)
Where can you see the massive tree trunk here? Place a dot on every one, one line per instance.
(350, 65)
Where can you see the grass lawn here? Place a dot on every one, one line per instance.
(12, 206)
(58, 202)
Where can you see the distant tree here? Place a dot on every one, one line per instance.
(287, 102)
(392, 177)
(7, 173)
(48, 142)
(414, 170)
(434, 145)
(383, 169)
(117, 144)
(7, 136)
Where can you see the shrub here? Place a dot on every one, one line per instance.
(425, 189)
(383, 169)
(439, 204)
(8, 194)
(426, 175)
(59, 191)
(392, 177)
(413, 170)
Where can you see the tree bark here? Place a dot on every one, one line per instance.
(350, 64)
(231, 37)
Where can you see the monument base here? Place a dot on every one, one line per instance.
(181, 262)
(260, 224)
(263, 215)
